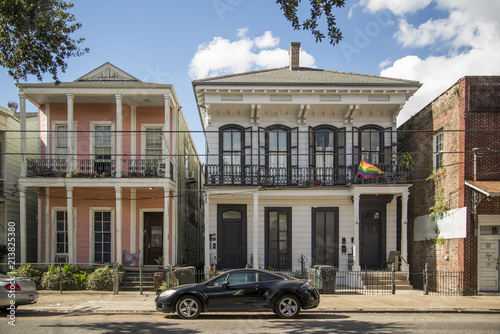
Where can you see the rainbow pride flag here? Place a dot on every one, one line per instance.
(368, 171)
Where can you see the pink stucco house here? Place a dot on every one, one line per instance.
(116, 170)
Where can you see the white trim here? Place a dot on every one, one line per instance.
(53, 232)
(91, 231)
(141, 228)
(53, 137)
(39, 229)
(133, 134)
(47, 225)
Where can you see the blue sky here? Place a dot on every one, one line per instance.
(165, 41)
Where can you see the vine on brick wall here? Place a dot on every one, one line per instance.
(440, 206)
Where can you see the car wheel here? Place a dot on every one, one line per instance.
(287, 307)
(188, 307)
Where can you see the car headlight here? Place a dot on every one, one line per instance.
(167, 293)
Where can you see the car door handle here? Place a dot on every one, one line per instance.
(257, 287)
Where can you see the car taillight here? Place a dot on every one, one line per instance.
(12, 287)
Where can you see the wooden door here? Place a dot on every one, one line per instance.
(153, 237)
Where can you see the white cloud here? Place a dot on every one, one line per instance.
(398, 7)
(222, 56)
(468, 42)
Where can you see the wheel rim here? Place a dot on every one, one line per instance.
(188, 308)
(288, 307)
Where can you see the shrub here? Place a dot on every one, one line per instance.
(101, 279)
(31, 271)
(73, 278)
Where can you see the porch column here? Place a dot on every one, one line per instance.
(118, 219)
(47, 225)
(404, 230)
(70, 158)
(356, 266)
(39, 223)
(166, 226)
(133, 221)
(71, 227)
(256, 230)
(166, 136)
(207, 235)
(118, 137)
(22, 110)
(22, 223)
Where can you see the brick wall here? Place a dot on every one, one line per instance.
(450, 113)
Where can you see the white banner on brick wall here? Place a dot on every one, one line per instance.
(453, 225)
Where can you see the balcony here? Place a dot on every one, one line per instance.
(97, 168)
(253, 175)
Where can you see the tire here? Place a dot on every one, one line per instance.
(188, 307)
(287, 307)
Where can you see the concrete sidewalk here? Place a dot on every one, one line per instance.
(403, 301)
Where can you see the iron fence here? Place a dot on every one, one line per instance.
(443, 282)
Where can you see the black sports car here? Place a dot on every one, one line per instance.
(240, 290)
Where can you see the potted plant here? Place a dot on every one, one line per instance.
(159, 261)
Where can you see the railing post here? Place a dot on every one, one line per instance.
(393, 278)
(140, 278)
(426, 281)
(115, 278)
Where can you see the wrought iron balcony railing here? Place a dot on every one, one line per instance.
(97, 168)
(297, 176)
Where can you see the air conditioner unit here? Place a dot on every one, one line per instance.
(61, 258)
(190, 178)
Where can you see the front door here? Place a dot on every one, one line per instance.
(370, 243)
(489, 251)
(232, 236)
(153, 237)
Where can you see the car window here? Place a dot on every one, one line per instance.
(267, 277)
(219, 281)
(241, 278)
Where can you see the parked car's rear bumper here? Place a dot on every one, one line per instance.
(19, 297)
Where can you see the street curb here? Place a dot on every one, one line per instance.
(445, 311)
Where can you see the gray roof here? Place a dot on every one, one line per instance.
(304, 76)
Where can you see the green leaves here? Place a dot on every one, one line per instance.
(35, 37)
(318, 8)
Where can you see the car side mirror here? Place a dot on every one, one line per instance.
(225, 284)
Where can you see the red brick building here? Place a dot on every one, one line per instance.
(455, 147)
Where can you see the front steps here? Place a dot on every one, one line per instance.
(131, 280)
(377, 280)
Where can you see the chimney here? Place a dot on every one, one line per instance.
(294, 54)
(12, 106)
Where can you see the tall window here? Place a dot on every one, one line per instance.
(61, 232)
(61, 148)
(371, 145)
(102, 236)
(153, 143)
(438, 150)
(231, 148)
(278, 146)
(325, 247)
(102, 149)
(278, 238)
(325, 148)
(102, 141)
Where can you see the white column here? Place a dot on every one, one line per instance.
(174, 221)
(133, 221)
(118, 137)
(47, 226)
(118, 219)
(166, 226)
(356, 265)
(71, 227)
(133, 134)
(404, 230)
(71, 165)
(39, 229)
(207, 234)
(22, 109)
(22, 229)
(256, 230)
(166, 136)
